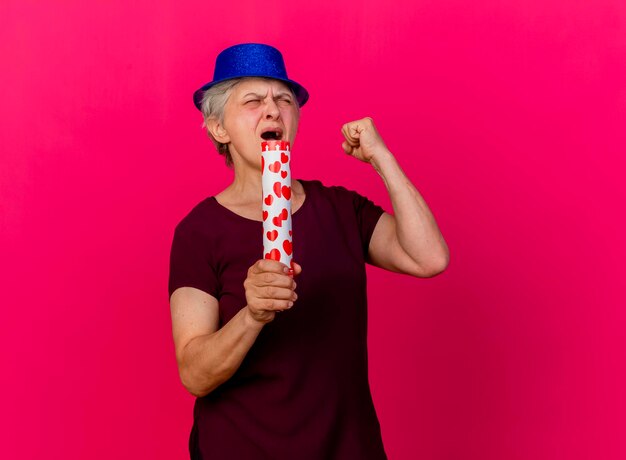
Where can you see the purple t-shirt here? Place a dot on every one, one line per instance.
(302, 391)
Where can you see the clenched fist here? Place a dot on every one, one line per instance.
(362, 139)
(269, 288)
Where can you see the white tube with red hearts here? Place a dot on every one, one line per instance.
(276, 179)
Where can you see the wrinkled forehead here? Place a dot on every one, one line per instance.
(261, 86)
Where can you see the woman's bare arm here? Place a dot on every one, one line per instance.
(208, 356)
(409, 242)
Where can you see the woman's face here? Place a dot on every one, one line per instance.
(257, 110)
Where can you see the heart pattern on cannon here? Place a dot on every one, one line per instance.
(278, 244)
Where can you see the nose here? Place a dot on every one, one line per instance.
(271, 109)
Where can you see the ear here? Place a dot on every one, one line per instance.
(217, 131)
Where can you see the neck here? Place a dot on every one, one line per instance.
(247, 185)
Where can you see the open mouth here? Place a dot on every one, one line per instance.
(272, 135)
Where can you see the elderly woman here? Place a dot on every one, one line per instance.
(278, 360)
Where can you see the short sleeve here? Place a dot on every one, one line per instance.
(367, 213)
(190, 263)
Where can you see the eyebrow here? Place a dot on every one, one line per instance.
(279, 93)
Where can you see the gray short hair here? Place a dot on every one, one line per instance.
(212, 106)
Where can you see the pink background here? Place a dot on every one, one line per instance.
(508, 117)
